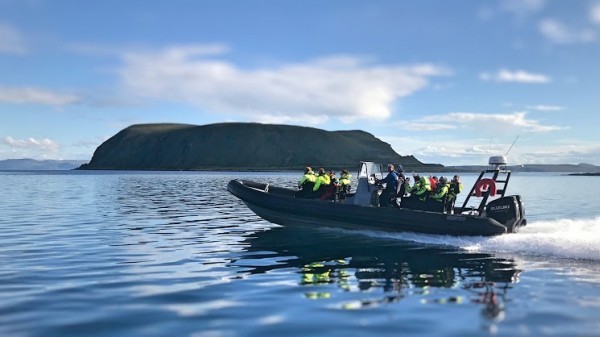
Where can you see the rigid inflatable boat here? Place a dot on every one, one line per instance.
(486, 210)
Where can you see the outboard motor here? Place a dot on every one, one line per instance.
(508, 211)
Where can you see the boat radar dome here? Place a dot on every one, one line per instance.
(497, 161)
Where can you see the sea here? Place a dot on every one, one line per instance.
(115, 253)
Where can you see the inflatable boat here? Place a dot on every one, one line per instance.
(486, 210)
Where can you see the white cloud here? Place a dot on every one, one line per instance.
(522, 7)
(425, 126)
(595, 13)
(517, 76)
(95, 49)
(36, 96)
(31, 143)
(476, 151)
(447, 150)
(11, 41)
(492, 124)
(544, 107)
(343, 87)
(559, 33)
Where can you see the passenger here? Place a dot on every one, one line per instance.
(403, 185)
(455, 188)
(331, 189)
(321, 182)
(345, 184)
(400, 171)
(440, 197)
(306, 184)
(433, 181)
(388, 196)
(421, 188)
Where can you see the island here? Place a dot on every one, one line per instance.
(243, 146)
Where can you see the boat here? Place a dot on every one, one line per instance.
(486, 211)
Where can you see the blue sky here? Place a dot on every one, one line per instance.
(450, 82)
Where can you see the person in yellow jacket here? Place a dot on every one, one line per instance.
(322, 181)
(421, 188)
(345, 184)
(455, 188)
(306, 184)
(440, 195)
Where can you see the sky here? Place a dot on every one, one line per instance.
(450, 82)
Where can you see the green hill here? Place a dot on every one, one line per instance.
(241, 146)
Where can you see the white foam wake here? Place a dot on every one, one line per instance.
(560, 238)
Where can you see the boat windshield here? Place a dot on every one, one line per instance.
(368, 168)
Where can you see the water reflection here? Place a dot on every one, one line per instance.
(330, 261)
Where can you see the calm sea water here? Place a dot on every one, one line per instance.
(174, 254)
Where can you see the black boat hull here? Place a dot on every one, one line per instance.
(279, 206)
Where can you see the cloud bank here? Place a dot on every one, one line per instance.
(343, 87)
(31, 143)
(559, 33)
(516, 76)
(479, 122)
(32, 95)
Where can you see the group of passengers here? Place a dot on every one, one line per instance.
(324, 185)
(426, 193)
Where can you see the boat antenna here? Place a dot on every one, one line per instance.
(511, 145)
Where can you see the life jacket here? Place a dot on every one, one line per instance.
(454, 189)
(308, 177)
(421, 188)
(441, 192)
(433, 183)
(345, 179)
(321, 182)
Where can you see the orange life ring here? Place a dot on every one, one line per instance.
(485, 185)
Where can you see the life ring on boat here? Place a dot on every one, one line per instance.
(485, 185)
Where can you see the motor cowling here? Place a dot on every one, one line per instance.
(508, 211)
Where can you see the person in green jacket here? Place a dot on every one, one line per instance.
(421, 188)
(321, 182)
(440, 195)
(306, 184)
(345, 184)
(455, 188)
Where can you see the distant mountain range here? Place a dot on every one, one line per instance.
(32, 164)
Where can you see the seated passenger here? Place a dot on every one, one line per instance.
(321, 182)
(345, 184)
(330, 192)
(403, 191)
(454, 189)
(306, 184)
(400, 172)
(419, 192)
(433, 181)
(439, 198)
(421, 188)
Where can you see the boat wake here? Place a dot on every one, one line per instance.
(561, 238)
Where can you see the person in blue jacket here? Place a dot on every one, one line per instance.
(388, 195)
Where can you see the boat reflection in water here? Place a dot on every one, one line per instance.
(331, 261)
